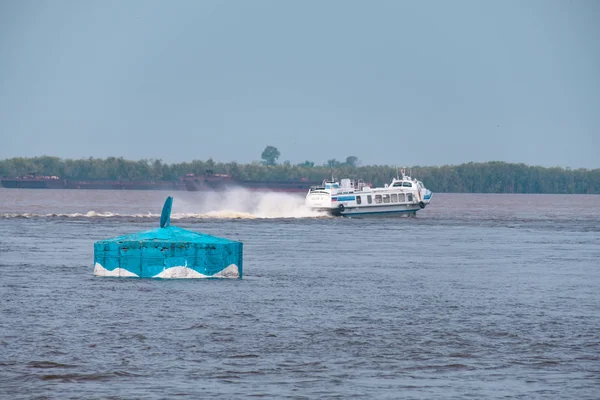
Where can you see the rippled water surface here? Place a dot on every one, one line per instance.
(479, 296)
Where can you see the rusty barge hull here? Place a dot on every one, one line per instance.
(18, 183)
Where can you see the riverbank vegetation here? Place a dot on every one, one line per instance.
(488, 177)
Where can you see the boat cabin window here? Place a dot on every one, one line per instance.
(369, 199)
(386, 198)
(396, 184)
(394, 198)
(401, 197)
(407, 184)
(377, 199)
(358, 200)
(410, 196)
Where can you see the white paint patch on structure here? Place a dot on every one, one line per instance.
(99, 270)
(231, 271)
(180, 273)
(185, 273)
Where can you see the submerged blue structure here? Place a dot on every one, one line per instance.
(168, 252)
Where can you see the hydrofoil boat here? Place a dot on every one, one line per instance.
(349, 197)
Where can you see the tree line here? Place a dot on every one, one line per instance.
(488, 177)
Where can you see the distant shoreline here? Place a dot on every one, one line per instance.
(489, 177)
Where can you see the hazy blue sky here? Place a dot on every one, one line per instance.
(392, 82)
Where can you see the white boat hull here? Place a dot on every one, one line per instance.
(378, 210)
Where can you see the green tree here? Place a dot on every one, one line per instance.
(352, 161)
(270, 155)
(333, 163)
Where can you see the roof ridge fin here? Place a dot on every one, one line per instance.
(165, 216)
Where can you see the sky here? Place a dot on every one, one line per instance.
(392, 82)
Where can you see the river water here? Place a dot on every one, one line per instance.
(479, 296)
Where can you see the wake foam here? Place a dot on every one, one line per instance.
(230, 204)
(242, 203)
(89, 214)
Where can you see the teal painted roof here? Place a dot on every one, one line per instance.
(169, 234)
